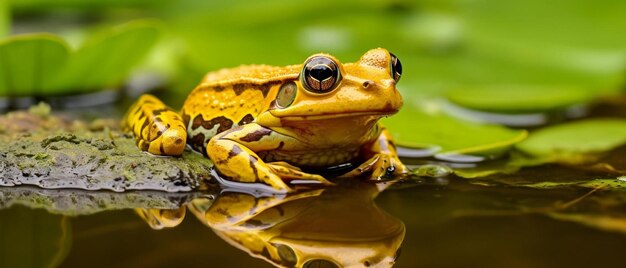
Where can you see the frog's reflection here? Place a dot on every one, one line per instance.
(333, 227)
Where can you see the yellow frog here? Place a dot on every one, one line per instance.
(260, 123)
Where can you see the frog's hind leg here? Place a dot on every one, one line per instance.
(157, 128)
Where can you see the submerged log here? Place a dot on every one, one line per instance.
(51, 151)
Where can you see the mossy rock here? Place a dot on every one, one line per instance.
(52, 152)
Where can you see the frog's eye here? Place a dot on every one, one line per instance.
(320, 74)
(396, 67)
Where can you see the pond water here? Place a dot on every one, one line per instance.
(445, 222)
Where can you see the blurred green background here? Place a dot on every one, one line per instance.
(445, 45)
(505, 57)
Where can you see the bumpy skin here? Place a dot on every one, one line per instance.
(233, 117)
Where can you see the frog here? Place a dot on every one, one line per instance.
(272, 125)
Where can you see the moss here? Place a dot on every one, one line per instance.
(41, 156)
(61, 137)
(128, 174)
(42, 109)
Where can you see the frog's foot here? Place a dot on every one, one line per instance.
(161, 218)
(382, 166)
(289, 172)
(157, 128)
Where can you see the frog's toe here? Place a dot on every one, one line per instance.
(365, 167)
(171, 142)
(285, 165)
(174, 141)
(381, 166)
(277, 183)
(388, 167)
(288, 172)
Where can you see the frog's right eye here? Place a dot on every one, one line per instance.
(396, 67)
(320, 74)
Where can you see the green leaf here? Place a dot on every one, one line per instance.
(424, 125)
(5, 18)
(519, 98)
(554, 60)
(33, 238)
(567, 141)
(107, 58)
(28, 63)
(562, 23)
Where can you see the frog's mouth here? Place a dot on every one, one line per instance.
(337, 115)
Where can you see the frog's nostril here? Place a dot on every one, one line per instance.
(368, 84)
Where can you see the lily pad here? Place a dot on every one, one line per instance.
(558, 58)
(570, 140)
(107, 57)
(5, 21)
(424, 125)
(43, 65)
(29, 63)
(519, 98)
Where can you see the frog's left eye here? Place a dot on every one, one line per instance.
(320, 74)
(396, 67)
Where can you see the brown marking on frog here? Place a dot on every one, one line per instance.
(223, 122)
(239, 88)
(236, 150)
(197, 142)
(257, 135)
(159, 111)
(246, 120)
(253, 161)
(265, 88)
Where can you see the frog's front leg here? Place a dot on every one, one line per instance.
(383, 160)
(157, 128)
(233, 153)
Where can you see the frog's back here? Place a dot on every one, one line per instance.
(229, 98)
